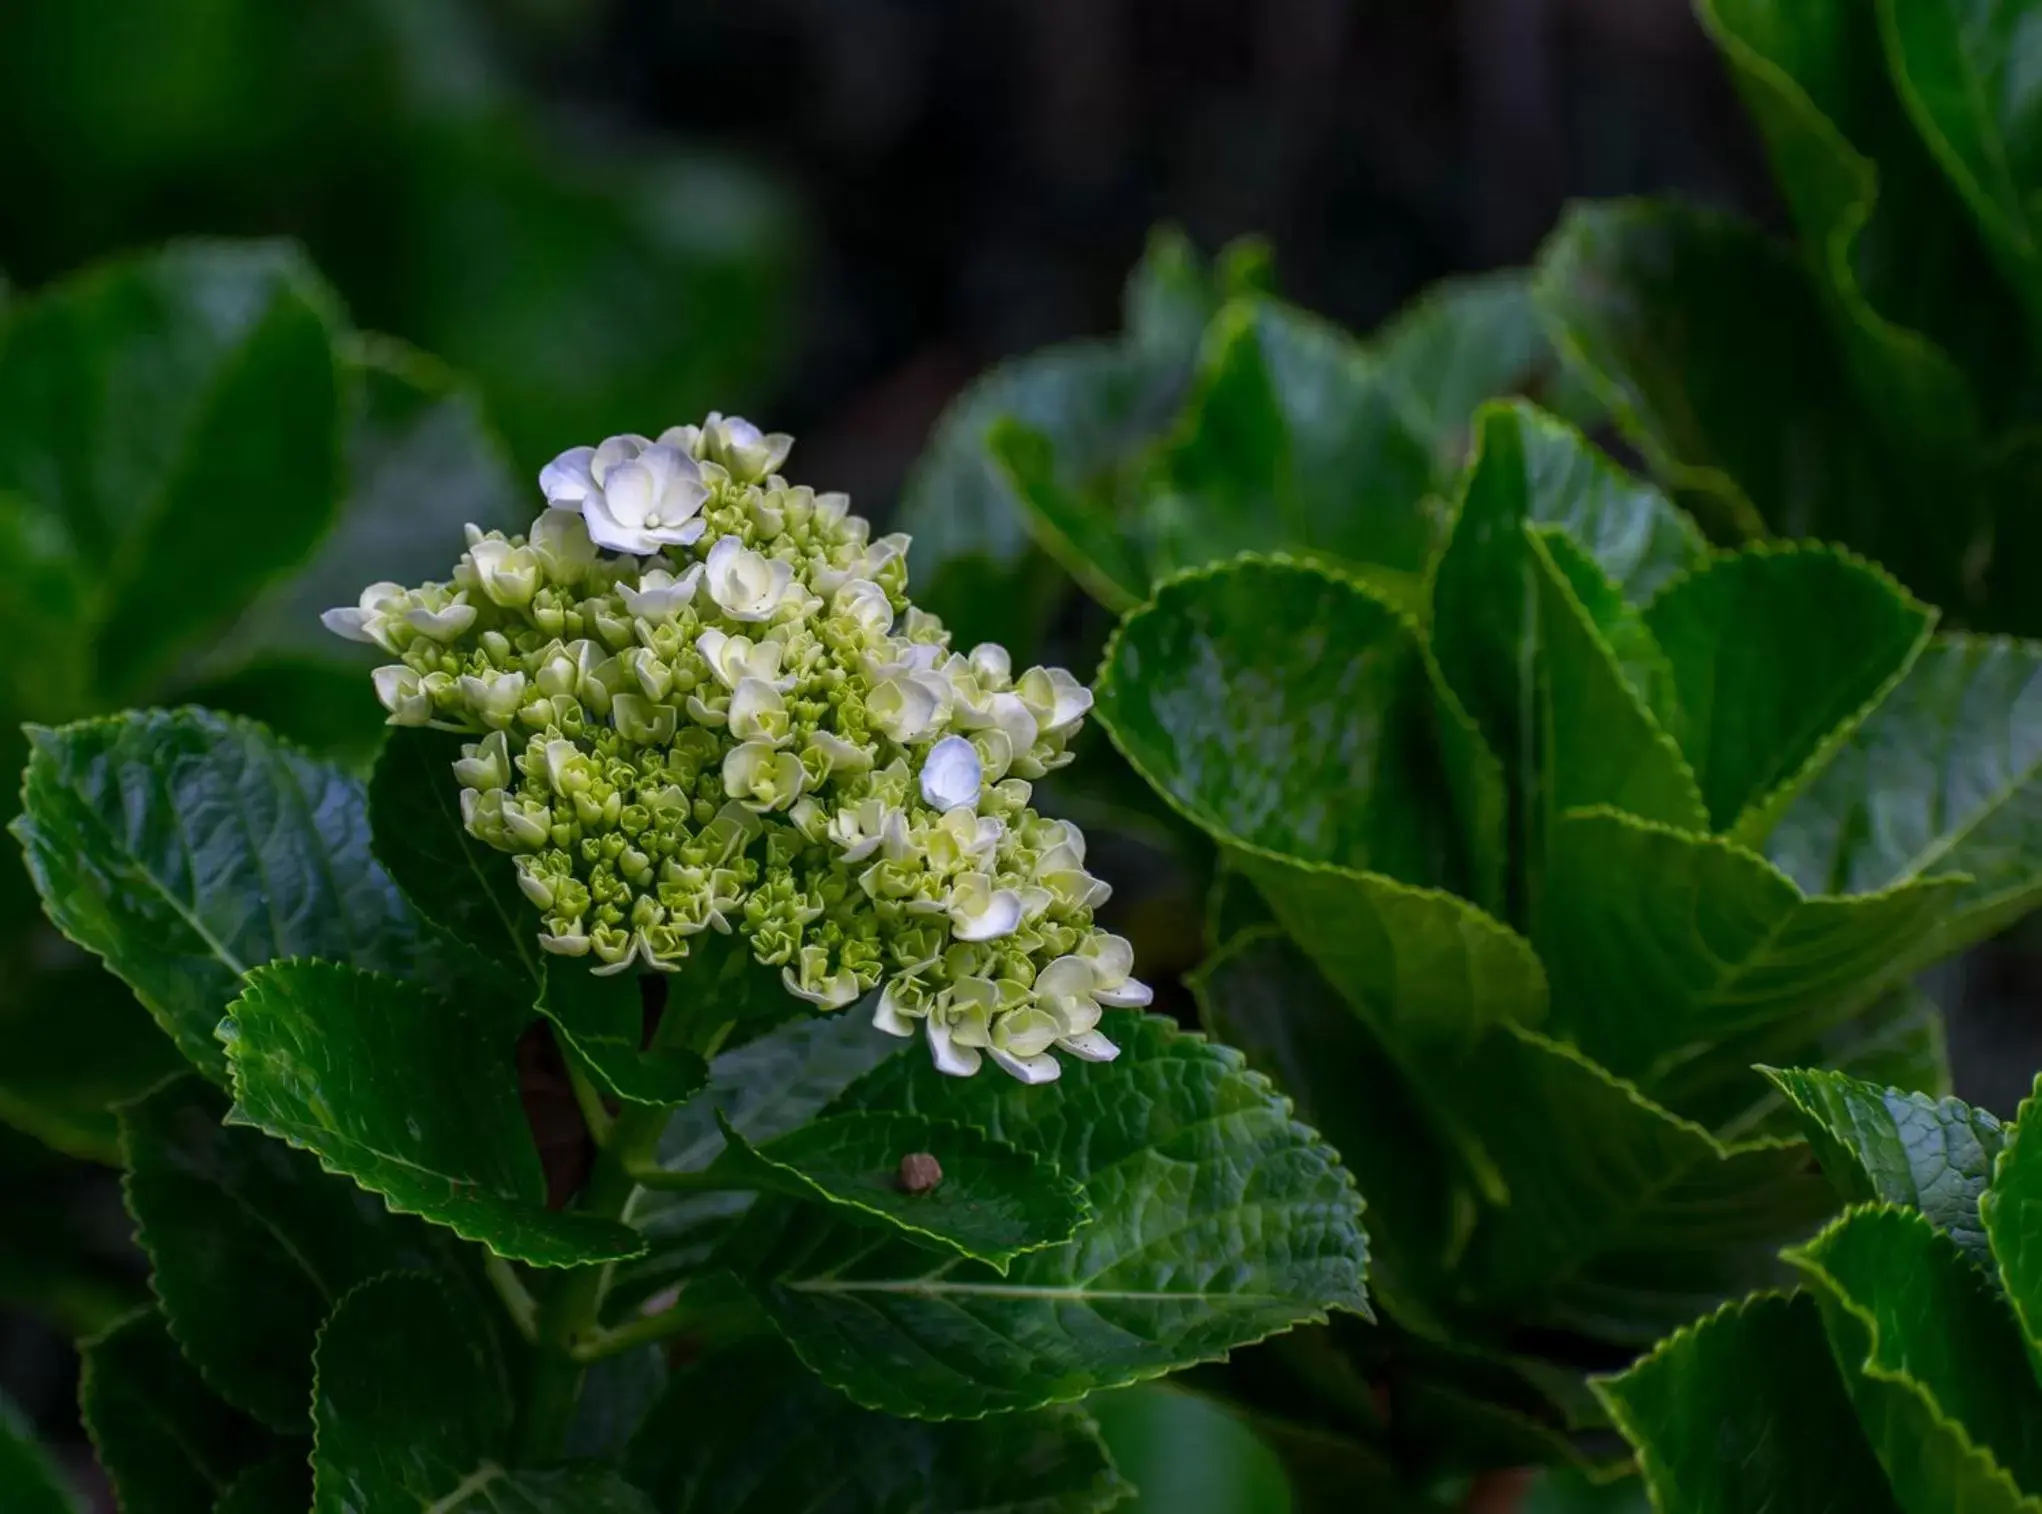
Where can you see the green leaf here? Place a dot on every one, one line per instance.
(1291, 439)
(1466, 340)
(1081, 533)
(1961, 73)
(45, 610)
(1712, 938)
(1261, 994)
(1217, 1220)
(746, 1430)
(410, 1413)
(179, 412)
(250, 1245)
(1601, 743)
(1887, 1146)
(411, 1095)
(29, 1480)
(1726, 1414)
(1776, 654)
(1530, 470)
(2012, 1212)
(74, 1042)
(422, 461)
(1945, 776)
(467, 889)
(166, 1442)
(1900, 267)
(765, 1089)
(602, 1022)
(281, 1483)
(1187, 1455)
(185, 847)
(1932, 1358)
(1097, 402)
(1621, 1218)
(994, 1201)
(1280, 706)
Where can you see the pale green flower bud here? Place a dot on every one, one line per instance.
(758, 713)
(640, 720)
(493, 698)
(508, 575)
(741, 448)
(560, 540)
(762, 779)
(374, 619)
(485, 764)
(403, 693)
(745, 585)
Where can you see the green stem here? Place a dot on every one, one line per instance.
(651, 1175)
(568, 1315)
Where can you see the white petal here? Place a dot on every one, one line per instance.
(1132, 994)
(888, 1016)
(348, 621)
(951, 773)
(1065, 978)
(567, 477)
(1091, 1046)
(1042, 1069)
(611, 534)
(958, 1061)
(1000, 917)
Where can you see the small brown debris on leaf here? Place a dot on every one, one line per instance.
(919, 1172)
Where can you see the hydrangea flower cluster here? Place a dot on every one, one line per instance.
(702, 701)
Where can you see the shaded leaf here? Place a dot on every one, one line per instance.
(1723, 1415)
(765, 1089)
(1945, 776)
(281, 1483)
(411, 1095)
(1176, 1139)
(409, 1413)
(468, 889)
(992, 1203)
(148, 405)
(185, 847)
(1291, 438)
(250, 1245)
(746, 1430)
(2012, 1212)
(1081, 533)
(1887, 1146)
(165, 1441)
(1185, 1454)
(1661, 944)
(29, 1481)
(1601, 743)
(1621, 1217)
(1776, 652)
(602, 1022)
(1931, 1356)
(45, 608)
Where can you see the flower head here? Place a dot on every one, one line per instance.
(701, 701)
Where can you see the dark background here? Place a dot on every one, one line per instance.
(831, 214)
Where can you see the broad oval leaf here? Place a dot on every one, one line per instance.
(1725, 1415)
(166, 1441)
(1932, 1357)
(1663, 945)
(992, 1203)
(601, 1020)
(410, 1412)
(1619, 1217)
(1945, 776)
(1217, 1220)
(414, 1097)
(1889, 1146)
(185, 847)
(180, 414)
(250, 1245)
(1777, 654)
(1281, 706)
(746, 1430)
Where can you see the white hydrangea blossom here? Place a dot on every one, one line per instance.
(702, 701)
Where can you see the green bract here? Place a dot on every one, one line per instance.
(738, 723)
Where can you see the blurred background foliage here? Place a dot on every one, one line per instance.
(534, 222)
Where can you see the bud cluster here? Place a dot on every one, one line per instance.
(702, 701)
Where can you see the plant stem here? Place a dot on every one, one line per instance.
(567, 1317)
(518, 1302)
